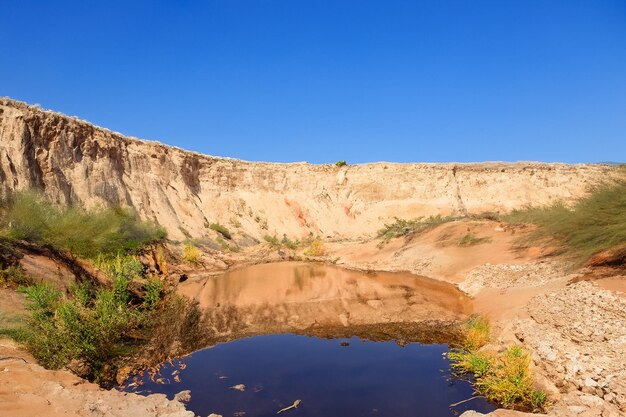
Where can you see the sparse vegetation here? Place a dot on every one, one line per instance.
(591, 225)
(505, 377)
(235, 223)
(402, 227)
(470, 240)
(191, 254)
(94, 328)
(272, 240)
(94, 331)
(222, 230)
(284, 242)
(341, 163)
(14, 276)
(86, 233)
(226, 246)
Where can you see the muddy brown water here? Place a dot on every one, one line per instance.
(345, 343)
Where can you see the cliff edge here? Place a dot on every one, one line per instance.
(74, 161)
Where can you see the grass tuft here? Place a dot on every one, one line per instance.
(476, 333)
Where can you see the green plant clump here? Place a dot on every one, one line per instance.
(95, 327)
(341, 163)
(191, 254)
(593, 224)
(93, 331)
(504, 378)
(222, 230)
(31, 217)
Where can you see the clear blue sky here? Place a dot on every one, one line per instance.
(294, 80)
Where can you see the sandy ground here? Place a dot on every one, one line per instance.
(28, 390)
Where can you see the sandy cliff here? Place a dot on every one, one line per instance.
(73, 160)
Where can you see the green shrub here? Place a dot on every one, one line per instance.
(30, 216)
(222, 230)
(471, 240)
(153, 293)
(122, 269)
(593, 224)
(341, 163)
(93, 331)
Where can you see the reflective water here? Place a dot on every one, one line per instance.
(294, 296)
(325, 366)
(361, 379)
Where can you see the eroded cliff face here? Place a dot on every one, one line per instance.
(74, 161)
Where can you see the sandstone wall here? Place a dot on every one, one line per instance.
(72, 160)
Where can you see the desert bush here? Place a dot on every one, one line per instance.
(191, 254)
(316, 248)
(593, 224)
(31, 217)
(94, 331)
(341, 163)
(222, 230)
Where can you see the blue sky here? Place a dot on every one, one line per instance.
(321, 81)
